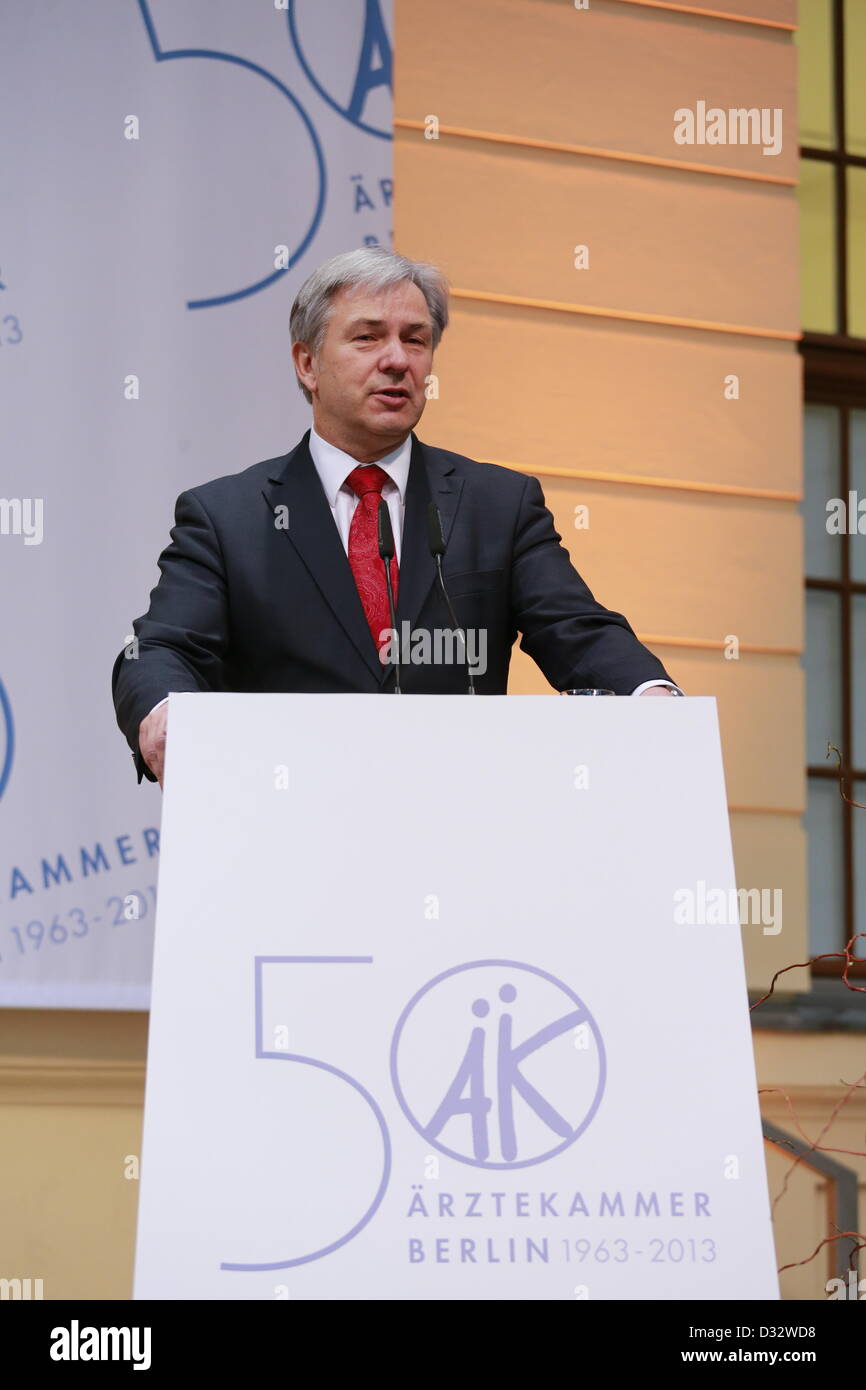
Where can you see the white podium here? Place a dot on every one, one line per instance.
(427, 1022)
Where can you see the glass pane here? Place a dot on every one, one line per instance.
(822, 478)
(858, 678)
(817, 247)
(857, 462)
(823, 661)
(855, 59)
(814, 41)
(826, 866)
(859, 794)
(857, 253)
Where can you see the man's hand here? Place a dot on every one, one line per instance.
(657, 690)
(151, 740)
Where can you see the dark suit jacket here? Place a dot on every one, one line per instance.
(246, 604)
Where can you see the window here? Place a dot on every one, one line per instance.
(834, 479)
(831, 45)
(832, 105)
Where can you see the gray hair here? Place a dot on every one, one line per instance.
(374, 267)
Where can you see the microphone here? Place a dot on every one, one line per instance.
(387, 551)
(436, 542)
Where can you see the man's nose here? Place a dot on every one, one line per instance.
(394, 357)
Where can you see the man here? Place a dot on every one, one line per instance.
(273, 580)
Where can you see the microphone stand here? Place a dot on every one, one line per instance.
(436, 541)
(387, 551)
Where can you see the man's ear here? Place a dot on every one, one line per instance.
(304, 366)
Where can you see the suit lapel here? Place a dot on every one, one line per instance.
(312, 532)
(431, 478)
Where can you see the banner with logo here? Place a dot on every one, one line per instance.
(171, 173)
(442, 1032)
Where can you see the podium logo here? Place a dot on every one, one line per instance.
(7, 738)
(498, 1064)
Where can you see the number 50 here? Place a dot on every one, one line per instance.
(299, 1059)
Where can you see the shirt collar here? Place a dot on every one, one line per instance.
(333, 465)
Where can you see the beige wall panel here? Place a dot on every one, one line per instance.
(779, 1054)
(67, 1214)
(506, 221)
(761, 702)
(71, 1099)
(757, 697)
(528, 387)
(770, 853)
(609, 77)
(686, 565)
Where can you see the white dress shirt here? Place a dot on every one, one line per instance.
(334, 466)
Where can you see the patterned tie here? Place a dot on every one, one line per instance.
(367, 482)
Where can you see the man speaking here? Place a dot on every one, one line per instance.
(274, 579)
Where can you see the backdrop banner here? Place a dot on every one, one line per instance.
(172, 172)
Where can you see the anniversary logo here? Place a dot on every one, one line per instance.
(480, 1106)
(499, 1065)
(464, 1104)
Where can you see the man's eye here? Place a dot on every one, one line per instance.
(363, 337)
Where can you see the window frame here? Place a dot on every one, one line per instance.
(834, 374)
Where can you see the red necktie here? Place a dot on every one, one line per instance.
(367, 482)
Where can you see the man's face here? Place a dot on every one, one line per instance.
(368, 379)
